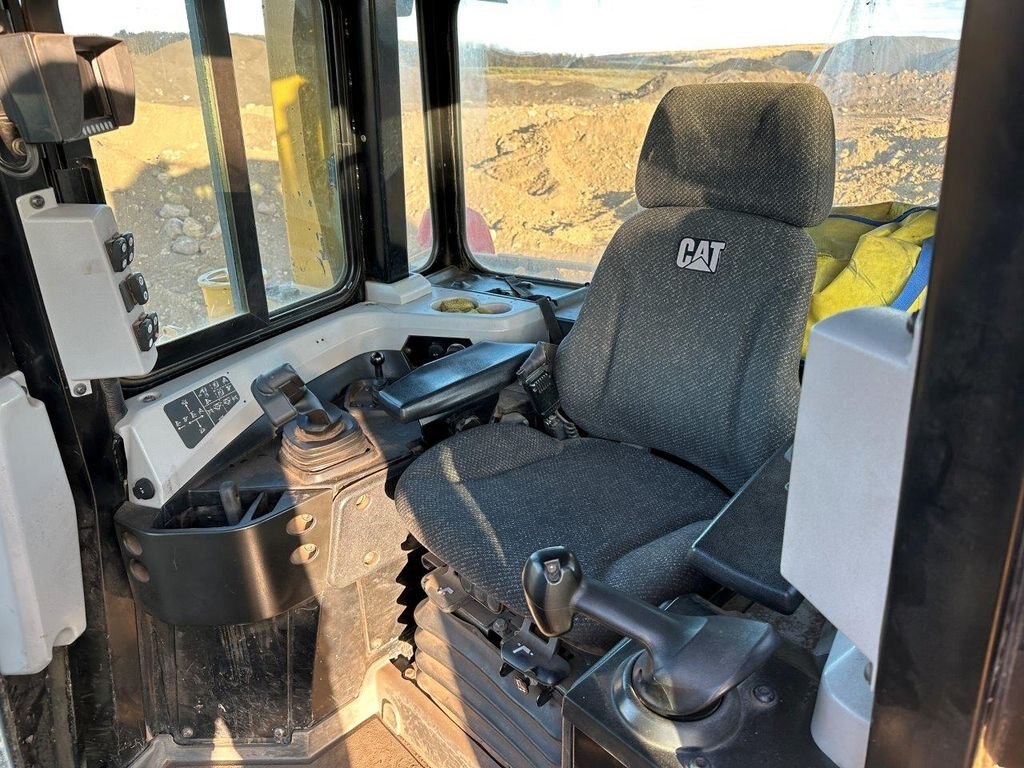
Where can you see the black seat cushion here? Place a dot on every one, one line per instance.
(485, 499)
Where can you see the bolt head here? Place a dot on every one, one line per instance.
(764, 694)
(280, 734)
(187, 732)
(80, 389)
(36, 201)
(143, 489)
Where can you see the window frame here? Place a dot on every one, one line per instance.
(210, 39)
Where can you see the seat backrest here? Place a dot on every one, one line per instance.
(689, 339)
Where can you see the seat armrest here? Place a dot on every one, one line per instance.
(455, 380)
(742, 548)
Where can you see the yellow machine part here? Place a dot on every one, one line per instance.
(306, 144)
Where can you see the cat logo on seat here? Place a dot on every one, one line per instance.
(699, 255)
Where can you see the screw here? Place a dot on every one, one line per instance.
(36, 201)
(701, 762)
(143, 489)
(150, 398)
(764, 694)
(280, 734)
(80, 389)
(187, 732)
(499, 626)
(409, 673)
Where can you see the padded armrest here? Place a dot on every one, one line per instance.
(742, 548)
(455, 380)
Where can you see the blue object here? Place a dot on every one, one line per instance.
(918, 279)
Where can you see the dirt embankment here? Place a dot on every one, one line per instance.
(551, 154)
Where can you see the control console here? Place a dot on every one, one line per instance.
(691, 686)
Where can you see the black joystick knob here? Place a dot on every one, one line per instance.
(551, 580)
(690, 662)
(377, 361)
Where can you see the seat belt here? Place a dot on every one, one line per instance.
(547, 307)
(918, 279)
(536, 375)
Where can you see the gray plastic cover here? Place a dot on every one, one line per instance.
(41, 598)
(844, 487)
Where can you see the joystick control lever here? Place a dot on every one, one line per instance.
(377, 361)
(690, 662)
(283, 396)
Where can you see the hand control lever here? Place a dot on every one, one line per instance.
(283, 396)
(377, 361)
(690, 662)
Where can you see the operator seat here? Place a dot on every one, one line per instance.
(682, 369)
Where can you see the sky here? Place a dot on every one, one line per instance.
(585, 27)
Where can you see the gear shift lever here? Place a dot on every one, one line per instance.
(690, 663)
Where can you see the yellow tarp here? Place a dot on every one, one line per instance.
(865, 255)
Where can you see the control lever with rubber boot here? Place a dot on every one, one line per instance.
(317, 436)
(690, 662)
(283, 396)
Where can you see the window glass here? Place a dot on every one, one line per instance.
(419, 227)
(557, 95)
(157, 172)
(281, 73)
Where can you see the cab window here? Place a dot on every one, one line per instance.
(556, 96)
(229, 175)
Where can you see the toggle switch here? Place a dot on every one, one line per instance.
(120, 251)
(146, 329)
(134, 291)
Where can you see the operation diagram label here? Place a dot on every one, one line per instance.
(194, 414)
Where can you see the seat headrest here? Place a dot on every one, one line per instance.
(761, 148)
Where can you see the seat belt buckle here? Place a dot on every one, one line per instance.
(543, 392)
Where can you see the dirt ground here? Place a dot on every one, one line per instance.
(550, 150)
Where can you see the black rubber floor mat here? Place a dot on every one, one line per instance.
(371, 745)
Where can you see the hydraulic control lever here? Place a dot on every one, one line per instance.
(690, 662)
(283, 396)
(317, 437)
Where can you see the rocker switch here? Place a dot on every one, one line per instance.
(120, 251)
(134, 291)
(146, 329)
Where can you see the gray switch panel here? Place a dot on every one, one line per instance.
(83, 265)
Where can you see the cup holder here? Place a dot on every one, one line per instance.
(466, 306)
